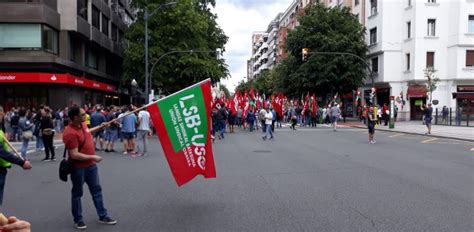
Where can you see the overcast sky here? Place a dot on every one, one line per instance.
(239, 18)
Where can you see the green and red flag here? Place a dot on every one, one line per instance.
(183, 124)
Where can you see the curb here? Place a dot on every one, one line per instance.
(412, 133)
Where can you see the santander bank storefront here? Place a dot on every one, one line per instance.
(58, 90)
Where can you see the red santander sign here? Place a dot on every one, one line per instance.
(53, 78)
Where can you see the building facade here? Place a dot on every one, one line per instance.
(406, 38)
(62, 52)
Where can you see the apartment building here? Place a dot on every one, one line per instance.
(62, 52)
(406, 38)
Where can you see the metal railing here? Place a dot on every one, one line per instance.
(453, 117)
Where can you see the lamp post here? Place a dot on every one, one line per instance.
(134, 85)
(146, 17)
(306, 51)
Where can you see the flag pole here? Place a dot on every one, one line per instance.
(11, 147)
(151, 103)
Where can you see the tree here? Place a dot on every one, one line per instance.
(224, 89)
(323, 29)
(433, 80)
(190, 25)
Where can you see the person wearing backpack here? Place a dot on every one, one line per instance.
(26, 128)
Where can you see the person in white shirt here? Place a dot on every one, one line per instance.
(268, 124)
(142, 132)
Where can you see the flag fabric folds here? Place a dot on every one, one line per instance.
(183, 124)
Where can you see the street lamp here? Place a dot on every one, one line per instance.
(146, 17)
(134, 85)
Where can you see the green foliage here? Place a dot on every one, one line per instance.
(190, 25)
(263, 84)
(225, 90)
(323, 30)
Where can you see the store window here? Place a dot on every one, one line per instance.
(20, 36)
(50, 39)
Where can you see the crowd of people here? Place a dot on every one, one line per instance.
(42, 125)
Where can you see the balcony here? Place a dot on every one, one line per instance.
(83, 27)
(19, 12)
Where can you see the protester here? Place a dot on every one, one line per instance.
(78, 141)
(47, 135)
(37, 128)
(143, 131)
(6, 161)
(250, 118)
(222, 118)
(371, 121)
(15, 119)
(428, 115)
(97, 118)
(111, 132)
(268, 124)
(335, 113)
(445, 113)
(2, 119)
(129, 132)
(26, 128)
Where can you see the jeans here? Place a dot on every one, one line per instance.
(268, 131)
(39, 143)
(142, 141)
(3, 176)
(89, 175)
(16, 133)
(251, 124)
(222, 128)
(57, 125)
(24, 147)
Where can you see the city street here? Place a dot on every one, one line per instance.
(304, 180)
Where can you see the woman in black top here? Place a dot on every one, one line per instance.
(47, 132)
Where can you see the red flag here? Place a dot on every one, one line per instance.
(183, 123)
(314, 106)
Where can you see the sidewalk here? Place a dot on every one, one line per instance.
(416, 127)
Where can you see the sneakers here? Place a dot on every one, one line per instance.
(373, 141)
(52, 159)
(108, 221)
(45, 160)
(80, 226)
(264, 138)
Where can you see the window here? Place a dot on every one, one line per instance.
(408, 30)
(91, 58)
(470, 58)
(356, 2)
(373, 7)
(408, 61)
(431, 27)
(121, 36)
(409, 3)
(430, 59)
(82, 9)
(105, 25)
(431, 1)
(471, 24)
(20, 35)
(114, 33)
(95, 17)
(72, 50)
(50, 40)
(373, 36)
(375, 65)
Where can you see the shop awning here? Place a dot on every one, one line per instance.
(55, 78)
(417, 91)
(465, 95)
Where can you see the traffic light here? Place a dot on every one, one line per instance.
(305, 53)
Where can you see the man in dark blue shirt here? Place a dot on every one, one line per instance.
(97, 118)
(428, 113)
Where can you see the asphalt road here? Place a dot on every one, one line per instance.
(304, 180)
